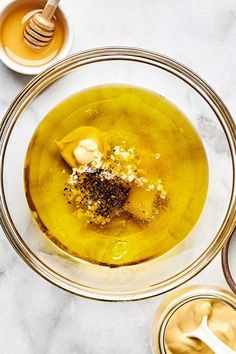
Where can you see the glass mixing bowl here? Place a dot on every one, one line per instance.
(207, 113)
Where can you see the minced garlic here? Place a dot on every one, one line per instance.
(105, 185)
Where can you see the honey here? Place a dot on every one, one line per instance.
(137, 202)
(11, 32)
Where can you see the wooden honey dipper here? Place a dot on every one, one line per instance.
(40, 28)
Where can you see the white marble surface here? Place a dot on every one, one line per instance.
(36, 317)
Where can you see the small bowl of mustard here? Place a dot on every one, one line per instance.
(14, 53)
(183, 312)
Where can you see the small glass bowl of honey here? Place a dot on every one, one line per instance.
(14, 53)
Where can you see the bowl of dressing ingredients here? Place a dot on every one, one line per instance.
(183, 313)
(15, 53)
(117, 174)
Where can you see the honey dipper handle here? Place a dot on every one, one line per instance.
(49, 9)
(204, 333)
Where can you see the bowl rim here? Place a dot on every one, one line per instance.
(226, 265)
(66, 65)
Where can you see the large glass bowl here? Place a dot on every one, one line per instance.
(207, 113)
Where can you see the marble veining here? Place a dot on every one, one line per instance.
(35, 316)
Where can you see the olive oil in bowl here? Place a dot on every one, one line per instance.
(142, 194)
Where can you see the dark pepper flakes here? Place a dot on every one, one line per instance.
(110, 194)
(106, 196)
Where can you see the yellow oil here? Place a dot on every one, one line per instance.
(154, 126)
(12, 28)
